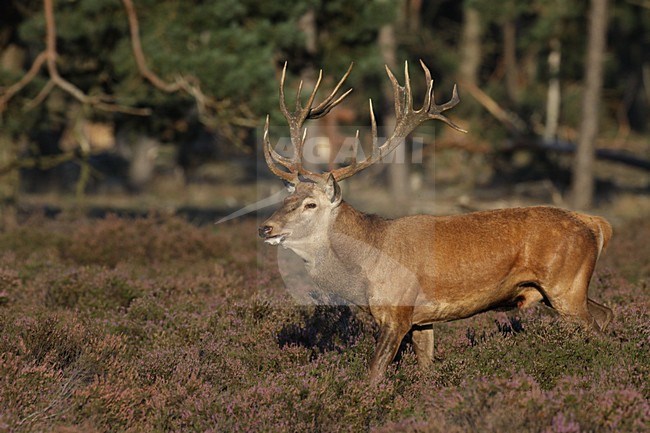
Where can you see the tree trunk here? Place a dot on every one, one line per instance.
(583, 165)
(510, 60)
(11, 60)
(8, 184)
(398, 169)
(413, 13)
(317, 148)
(553, 98)
(470, 46)
(470, 62)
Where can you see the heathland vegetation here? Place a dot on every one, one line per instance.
(156, 325)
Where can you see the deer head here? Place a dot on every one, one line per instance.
(309, 209)
(314, 198)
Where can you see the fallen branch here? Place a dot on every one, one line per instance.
(559, 146)
(516, 125)
(432, 145)
(41, 162)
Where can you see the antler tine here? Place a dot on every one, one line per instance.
(345, 172)
(310, 101)
(297, 148)
(326, 106)
(455, 99)
(271, 157)
(298, 92)
(430, 106)
(283, 102)
(437, 109)
(407, 119)
(269, 149)
(286, 162)
(355, 149)
(429, 96)
(408, 96)
(397, 91)
(373, 125)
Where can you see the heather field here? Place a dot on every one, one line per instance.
(156, 325)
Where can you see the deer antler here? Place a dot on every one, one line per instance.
(296, 119)
(407, 120)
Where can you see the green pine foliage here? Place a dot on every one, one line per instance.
(235, 48)
(232, 47)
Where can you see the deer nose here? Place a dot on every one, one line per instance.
(264, 231)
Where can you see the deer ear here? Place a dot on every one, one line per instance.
(289, 186)
(333, 190)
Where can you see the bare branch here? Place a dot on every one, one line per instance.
(210, 110)
(44, 93)
(65, 85)
(136, 45)
(48, 57)
(25, 80)
(207, 106)
(508, 118)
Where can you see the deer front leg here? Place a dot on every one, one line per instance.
(394, 323)
(389, 341)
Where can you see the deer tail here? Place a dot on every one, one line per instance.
(600, 227)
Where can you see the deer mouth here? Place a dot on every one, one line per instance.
(277, 239)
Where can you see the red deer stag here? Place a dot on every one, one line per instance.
(413, 271)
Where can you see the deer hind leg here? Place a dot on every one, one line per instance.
(528, 297)
(423, 345)
(602, 314)
(570, 299)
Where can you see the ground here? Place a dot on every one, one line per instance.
(157, 325)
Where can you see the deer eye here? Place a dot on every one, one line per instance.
(310, 206)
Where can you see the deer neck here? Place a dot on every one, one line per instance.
(349, 242)
(354, 230)
(354, 249)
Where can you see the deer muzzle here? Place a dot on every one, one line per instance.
(266, 233)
